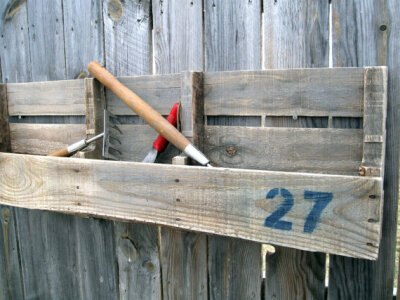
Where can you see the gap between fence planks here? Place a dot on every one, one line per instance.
(229, 202)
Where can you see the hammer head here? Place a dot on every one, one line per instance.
(112, 134)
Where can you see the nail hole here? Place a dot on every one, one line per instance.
(372, 221)
(370, 244)
(77, 187)
(372, 196)
(177, 219)
(178, 200)
(177, 180)
(383, 27)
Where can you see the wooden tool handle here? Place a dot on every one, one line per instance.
(60, 152)
(153, 118)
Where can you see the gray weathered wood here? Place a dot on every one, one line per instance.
(178, 47)
(160, 92)
(10, 276)
(232, 37)
(15, 67)
(14, 41)
(44, 138)
(83, 27)
(299, 92)
(331, 151)
(365, 39)
(295, 35)
(127, 34)
(138, 253)
(46, 40)
(66, 97)
(375, 106)
(198, 199)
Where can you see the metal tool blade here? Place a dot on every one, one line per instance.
(112, 137)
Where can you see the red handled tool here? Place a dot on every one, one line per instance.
(160, 144)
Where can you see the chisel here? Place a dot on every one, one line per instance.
(160, 144)
(153, 118)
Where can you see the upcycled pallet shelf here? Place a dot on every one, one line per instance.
(285, 199)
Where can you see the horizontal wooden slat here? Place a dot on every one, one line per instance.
(159, 91)
(44, 138)
(220, 201)
(137, 141)
(333, 151)
(300, 92)
(50, 98)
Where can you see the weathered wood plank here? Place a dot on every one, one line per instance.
(14, 41)
(127, 37)
(83, 27)
(298, 92)
(232, 37)
(138, 251)
(332, 151)
(284, 47)
(43, 138)
(52, 98)
(128, 41)
(160, 92)
(10, 275)
(46, 40)
(375, 106)
(178, 47)
(230, 202)
(365, 39)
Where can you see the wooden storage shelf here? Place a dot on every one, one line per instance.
(307, 192)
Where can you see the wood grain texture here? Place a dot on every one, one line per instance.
(295, 35)
(127, 34)
(178, 47)
(232, 35)
(298, 92)
(46, 40)
(360, 40)
(128, 43)
(375, 107)
(44, 138)
(232, 201)
(138, 253)
(51, 98)
(331, 151)
(83, 27)
(160, 92)
(14, 41)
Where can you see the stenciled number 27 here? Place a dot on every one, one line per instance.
(274, 220)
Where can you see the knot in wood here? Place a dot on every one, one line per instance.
(231, 150)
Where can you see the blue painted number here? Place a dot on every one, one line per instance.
(321, 201)
(274, 219)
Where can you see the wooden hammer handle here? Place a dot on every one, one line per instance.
(139, 106)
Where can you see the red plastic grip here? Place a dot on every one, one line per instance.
(161, 143)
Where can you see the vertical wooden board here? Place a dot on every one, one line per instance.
(138, 260)
(14, 41)
(367, 33)
(233, 42)
(178, 46)
(83, 27)
(127, 34)
(15, 67)
(127, 37)
(178, 31)
(295, 35)
(10, 275)
(61, 256)
(46, 40)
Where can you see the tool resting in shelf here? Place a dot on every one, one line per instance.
(153, 118)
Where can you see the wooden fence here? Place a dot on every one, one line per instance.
(48, 256)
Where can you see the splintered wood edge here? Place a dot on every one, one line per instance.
(231, 202)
